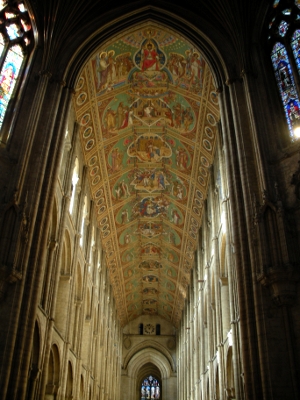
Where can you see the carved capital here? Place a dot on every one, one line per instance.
(282, 283)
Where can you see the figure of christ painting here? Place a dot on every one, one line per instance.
(150, 58)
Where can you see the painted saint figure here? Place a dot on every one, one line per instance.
(102, 70)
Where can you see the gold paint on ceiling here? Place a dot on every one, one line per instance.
(148, 111)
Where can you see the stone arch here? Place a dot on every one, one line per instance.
(69, 383)
(63, 292)
(144, 372)
(230, 385)
(155, 361)
(149, 355)
(78, 283)
(150, 345)
(52, 244)
(88, 310)
(217, 384)
(53, 379)
(34, 362)
(95, 38)
(81, 388)
(67, 255)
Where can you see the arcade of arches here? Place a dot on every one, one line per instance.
(149, 209)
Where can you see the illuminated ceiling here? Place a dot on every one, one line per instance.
(148, 113)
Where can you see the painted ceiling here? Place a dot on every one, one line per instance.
(148, 111)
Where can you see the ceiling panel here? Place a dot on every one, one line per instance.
(148, 113)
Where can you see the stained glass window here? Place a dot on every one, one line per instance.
(283, 27)
(150, 389)
(15, 38)
(8, 78)
(284, 41)
(296, 47)
(286, 84)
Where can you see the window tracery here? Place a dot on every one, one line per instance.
(284, 40)
(16, 40)
(150, 388)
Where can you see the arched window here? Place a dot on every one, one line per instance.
(84, 215)
(75, 179)
(150, 389)
(16, 42)
(92, 249)
(284, 40)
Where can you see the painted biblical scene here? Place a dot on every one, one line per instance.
(150, 265)
(122, 190)
(149, 148)
(150, 279)
(151, 249)
(168, 111)
(149, 291)
(151, 207)
(147, 107)
(150, 180)
(150, 229)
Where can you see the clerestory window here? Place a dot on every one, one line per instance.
(16, 43)
(284, 40)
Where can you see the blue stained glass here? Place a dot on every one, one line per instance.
(282, 28)
(22, 7)
(150, 389)
(275, 4)
(295, 43)
(8, 77)
(13, 31)
(286, 85)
